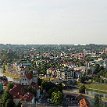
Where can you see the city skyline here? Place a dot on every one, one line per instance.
(53, 22)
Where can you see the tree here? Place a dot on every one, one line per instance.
(97, 100)
(31, 90)
(52, 90)
(48, 85)
(98, 68)
(19, 104)
(88, 58)
(6, 95)
(39, 81)
(57, 97)
(83, 79)
(10, 86)
(82, 89)
(9, 103)
(97, 78)
(4, 68)
(104, 56)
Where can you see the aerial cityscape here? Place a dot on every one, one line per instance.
(53, 75)
(53, 53)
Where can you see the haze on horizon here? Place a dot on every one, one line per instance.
(53, 21)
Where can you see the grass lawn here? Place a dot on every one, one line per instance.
(48, 79)
(97, 87)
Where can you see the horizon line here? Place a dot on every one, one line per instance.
(51, 44)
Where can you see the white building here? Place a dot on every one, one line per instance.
(26, 78)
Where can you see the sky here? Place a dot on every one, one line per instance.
(53, 21)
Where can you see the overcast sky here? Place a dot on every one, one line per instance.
(53, 21)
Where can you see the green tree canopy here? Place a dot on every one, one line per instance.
(10, 86)
(9, 103)
(6, 95)
(97, 100)
(82, 89)
(57, 97)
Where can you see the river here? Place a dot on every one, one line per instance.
(89, 92)
(93, 93)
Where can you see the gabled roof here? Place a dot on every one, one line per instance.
(17, 91)
(29, 76)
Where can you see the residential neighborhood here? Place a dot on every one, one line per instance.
(53, 53)
(34, 78)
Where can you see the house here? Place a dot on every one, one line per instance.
(26, 77)
(23, 64)
(79, 71)
(58, 75)
(78, 55)
(19, 93)
(65, 73)
(52, 72)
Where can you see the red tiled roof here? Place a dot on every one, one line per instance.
(29, 75)
(83, 103)
(17, 91)
(27, 97)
